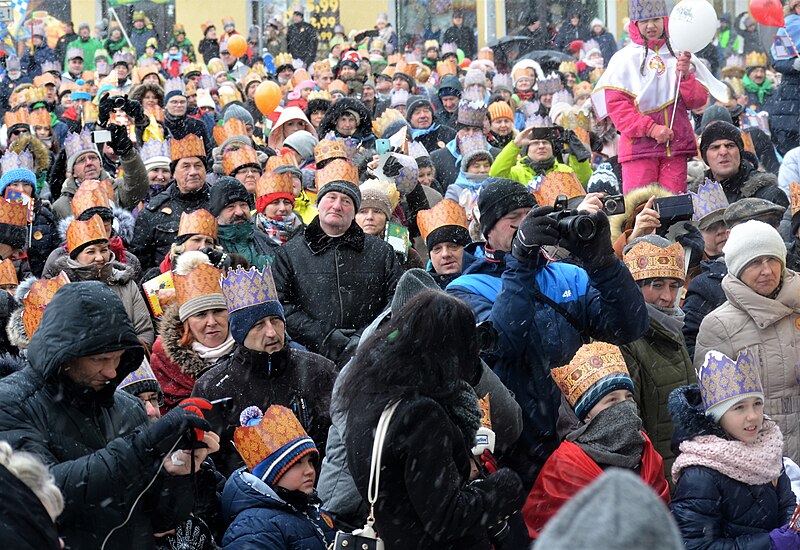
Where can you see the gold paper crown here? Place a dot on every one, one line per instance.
(648, 261)
(446, 67)
(283, 59)
(190, 146)
(233, 159)
(408, 69)
(794, 194)
(591, 363)
(338, 86)
(336, 170)
(389, 117)
(145, 70)
(40, 117)
(8, 273)
(233, 127)
(270, 183)
(13, 213)
(568, 67)
(90, 112)
(19, 116)
(37, 94)
(394, 59)
(228, 94)
(320, 67)
(198, 222)
(192, 68)
(91, 194)
(446, 212)
(80, 233)
(34, 304)
(555, 184)
(190, 89)
(582, 88)
(329, 149)
(319, 94)
(202, 280)
(388, 71)
(595, 75)
(485, 403)
(755, 59)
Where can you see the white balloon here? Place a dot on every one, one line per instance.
(692, 24)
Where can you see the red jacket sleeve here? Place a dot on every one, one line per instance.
(693, 94)
(626, 118)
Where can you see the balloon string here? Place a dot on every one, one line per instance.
(675, 106)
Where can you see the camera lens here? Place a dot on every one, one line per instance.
(118, 102)
(579, 227)
(610, 206)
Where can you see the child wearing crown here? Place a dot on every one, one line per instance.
(603, 431)
(271, 501)
(731, 490)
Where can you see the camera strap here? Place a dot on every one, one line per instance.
(561, 310)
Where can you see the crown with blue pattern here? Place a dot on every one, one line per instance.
(709, 199)
(251, 296)
(724, 382)
(646, 9)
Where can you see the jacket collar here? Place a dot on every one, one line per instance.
(270, 364)
(764, 311)
(318, 241)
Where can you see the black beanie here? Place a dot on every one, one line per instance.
(417, 102)
(224, 192)
(500, 196)
(717, 130)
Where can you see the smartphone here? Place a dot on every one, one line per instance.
(383, 146)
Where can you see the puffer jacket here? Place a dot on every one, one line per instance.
(715, 511)
(703, 295)
(333, 287)
(769, 328)
(508, 164)
(658, 363)
(95, 443)
(784, 118)
(259, 518)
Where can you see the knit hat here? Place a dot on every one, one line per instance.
(715, 113)
(474, 76)
(302, 142)
(142, 380)
(724, 382)
(270, 443)
(17, 175)
(225, 191)
(250, 296)
(751, 208)
(417, 102)
(500, 109)
(339, 175)
(398, 98)
(596, 370)
(603, 180)
(498, 197)
(237, 111)
(750, 240)
(411, 283)
(718, 130)
(197, 287)
(380, 195)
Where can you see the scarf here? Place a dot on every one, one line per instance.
(90, 272)
(761, 90)
(671, 319)
(539, 167)
(278, 230)
(499, 141)
(463, 409)
(118, 248)
(417, 133)
(210, 355)
(525, 96)
(613, 437)
(754, 463)
(452, 146)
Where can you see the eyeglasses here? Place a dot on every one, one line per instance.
(156, 401)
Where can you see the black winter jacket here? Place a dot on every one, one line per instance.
(431, 140)
(748, 182)
(703, 296)
(784, 116)
(44, 238)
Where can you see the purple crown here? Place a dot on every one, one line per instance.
(472, 113)
(243, 289)
(550, 84)
(647, 9)
(155, 149)
(174, 84)
(710, 198)
(417, 150)
(77, 144)
(51, 66)
(12, 161)
(563, 97)
(501, 80)
(449, 47)
(469, 146)
(144, 372)
(721, 378)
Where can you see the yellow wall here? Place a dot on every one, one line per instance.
(83, 12)
(193, 12)
(360, 14)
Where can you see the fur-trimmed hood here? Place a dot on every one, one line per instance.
(634, 201)
(139, 90)
(123, 225)
(757, 181)
(689, 418)
(170, 329)
(15, 330)
(114, 272)
(41, 156)
(328, 123)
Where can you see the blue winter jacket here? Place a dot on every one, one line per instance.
(259, 519)
(479, 282)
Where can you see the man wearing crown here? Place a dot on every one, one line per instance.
(755, 81)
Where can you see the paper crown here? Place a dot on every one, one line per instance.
(564, 96)
(408, 69)
(41, 117)
(472, 113)
(794, 195)
(18, 116)
(8, 273)
(236, 158)
(756, 59)
(13, 213)
(568, 67)
(444, 213)
(321, 67)
(502, 80)
(555, 184)
(449, 47)
(485, 404)
(90, 194)
(647, 9)
(90, 112)
(80, 233)
(202, 280)
(550, 84)
(486, 53)
(272, 442)
(408, 176)
(189, 68)
(155, 149)
(78, 144)
(338, 86)
(471, 145)
(416, 150)
(270, 183)
(709, 199)
(174, 85)
(283, 59)
(595, 370)
(388, 118)
(232, 127)
(446, 67)
(35, 302)
(243, 289)
(198, 222)
(431, 45)
(376, 45)
(38, 94)
(190, 146)
(13, 161)
(336, 170)
(51, 67)
(329, 149)
(319, 94)
(595, 75)
(721, 378)
(191, 88)
(648, 261)
(299, 76)
(142, 374)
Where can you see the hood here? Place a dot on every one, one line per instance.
(634, 201)
(123, 225)
(113, 273)
(84, 318)
(685, 406)
(41, 156)
(244, 491)
(637, 38)
(9, 364)
(764, 311)
(15, 329)
(328, 123)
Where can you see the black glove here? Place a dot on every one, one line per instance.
(335, 342)
(104, 110)
(135, 112)
(692, 240)
(597, 252)
(577, 148)
(218, 258)
(163, 434)
(120, 141)
(392, 167)
(503, 493)
(536, 230)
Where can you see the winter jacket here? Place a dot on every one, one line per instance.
(44, 238)
(658, 363)
(248, 241)
(89, 47)
(128, 190)
(789, 170)
(139, 38)
(94, 442)
(568, 33)
(784, 116)
(703, 295)
(464, 37)
(769, 329)
(508, 164)
(157, 225)
(296, 379)
(363, 134)
(476, 286)
(61, 46)
(301, 39)
(260, 519)
(714, 511)
(447, 164)
(209, 49)
(607, 43)
(31, 63)
(748, 182)
(434, 137)
(26, 523)
(333, 287)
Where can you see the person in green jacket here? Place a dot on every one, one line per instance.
(179, 39)
(88, 44)
(532, 154)
(658, 362)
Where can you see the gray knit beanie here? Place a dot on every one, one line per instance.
(303, 142)
(411, 283)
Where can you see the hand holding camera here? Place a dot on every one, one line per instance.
(119, 139)
(646, 221)
(576, 147)
(538, 229)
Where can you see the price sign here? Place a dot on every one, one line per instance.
(324, 17)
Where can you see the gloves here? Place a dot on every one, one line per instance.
(660, 133)
(784, 538)
(196, 405)
(163, 434)
(335, 342)
(489, 461)
(535, 231)
(135, 112)
(218, 258)
(577, 148)
(503, 493)
(684, 64)
(104, 110)
(120, 141)
(392, 167)
(597, 252)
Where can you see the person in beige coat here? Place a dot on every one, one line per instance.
(762, 313)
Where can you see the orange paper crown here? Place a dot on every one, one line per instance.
(199, 222)
(591, 363)
(202, 280)
(794, 194)
(13, 213)
(34, 304)
(233, 127)
(555, 184)
(485, 403)
(408, 69)
(337, 170)
(446, 67)
(190, 146)
(233, 159)
(329, 149)
(8, 273)
(80, 233)
(648, 261)
(276, 161)
(91, 194)
(446, 212)
(270, 183)
(40, 117)
(20, 116)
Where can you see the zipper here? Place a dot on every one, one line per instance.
(338, 286)
(666, 122)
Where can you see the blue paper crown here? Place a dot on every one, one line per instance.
(721, 378)
(244, 289)
(646, 9)
(710, 198)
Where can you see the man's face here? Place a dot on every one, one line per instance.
(122, 71)
(432, 53)
(94, 371)
(450, 103)
(297, 18)
(83, 33)
(714, 237)
(236, 213)
(346, 124)
(190, 174)
(400, 84)
(86, 167)
(76, 65)
(422, 118)
(383, 86)
(502, 126)
(446, 258)
(158, 176)
(152, 402)
(347, 72)
(248, 176)
(501, 235)
(540, 150)
(176, 106)
(286, 75)
(367, 94)
(324, 79)
(336, 213)
(758, 75)
(723, 158)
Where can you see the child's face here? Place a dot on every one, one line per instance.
(300, 477)
(609, 400)
(425, 177)
(744, 420)
(479, 166)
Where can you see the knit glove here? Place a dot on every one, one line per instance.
(120, 141)
(660, 133)
(577, 148)
(392, 167)
(218, 258)
(163, 434)
(597, 252)
(135, 112)
(536, 230)
(784, 538)
(335, 342)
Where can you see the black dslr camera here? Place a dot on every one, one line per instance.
(118, 102)
(572, 224)
(671, 210)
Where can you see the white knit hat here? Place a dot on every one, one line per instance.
(751, 240)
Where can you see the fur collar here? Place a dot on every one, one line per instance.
(633, 205)
(114, 273)
(15, 329)
(318, 241)
(170, 329)
(124, 223)
(41, 156)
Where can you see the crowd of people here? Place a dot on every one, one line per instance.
(426, 298)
